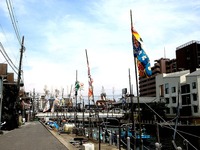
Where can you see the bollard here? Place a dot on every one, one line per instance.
(93, 134)
(118, 141)
(103, 135)
(158, 146)
(128, 143)
(86, 133)
(110, 139)
(98, 136)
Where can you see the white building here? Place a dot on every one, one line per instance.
(180, 89)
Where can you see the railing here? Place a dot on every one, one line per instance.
(79, 115)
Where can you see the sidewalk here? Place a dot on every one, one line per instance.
(38, 136)
(31, 136)
(66, 138)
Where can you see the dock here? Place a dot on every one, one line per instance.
(66, 138)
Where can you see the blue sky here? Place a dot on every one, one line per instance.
(58, 32)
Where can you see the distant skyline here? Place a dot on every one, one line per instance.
(58, 32)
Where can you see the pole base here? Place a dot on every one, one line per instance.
(1, 132)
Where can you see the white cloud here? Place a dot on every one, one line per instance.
(57, 34)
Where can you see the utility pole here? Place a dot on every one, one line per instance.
(33, 105)
(19, 73)
(20, 64)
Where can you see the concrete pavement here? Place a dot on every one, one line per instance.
(66, 138)
(37, 136)
(31, 136)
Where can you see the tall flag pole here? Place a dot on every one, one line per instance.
(76, 93)
(90, 81)
(132, 114)
(142, 65)
(90, 93)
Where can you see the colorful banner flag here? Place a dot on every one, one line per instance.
(77, 85)
(56, 103)
(90, 81)
(143, 62)
(47, 106)
(90, 89)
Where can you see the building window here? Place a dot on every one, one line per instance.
(173, 99)
(185, 88)
(167, 100)
(195, 109)
(173, 89)
(194, 96)
(167, 110)
(186, 100)
(194, 86)
(174, 110)
(167, 88)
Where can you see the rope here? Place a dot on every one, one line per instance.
(171, 126)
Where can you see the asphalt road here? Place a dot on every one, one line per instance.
(31, 136)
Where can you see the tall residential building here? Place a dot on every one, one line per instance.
(188, 56)
(147, 86)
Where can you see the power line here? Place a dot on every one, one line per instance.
(9, 61)
(16, 29)
(8, 56)
(13, 20)
(3, 32)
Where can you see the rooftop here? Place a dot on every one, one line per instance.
(177, 74)
(188, 43)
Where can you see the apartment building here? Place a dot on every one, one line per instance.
(188, 56)
(147, 86)
(180, 90)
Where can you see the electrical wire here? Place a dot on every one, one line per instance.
(13, 20)
(8, 57)
(8, 60)
(3, 32)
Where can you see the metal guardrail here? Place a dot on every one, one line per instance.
(79, 115)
